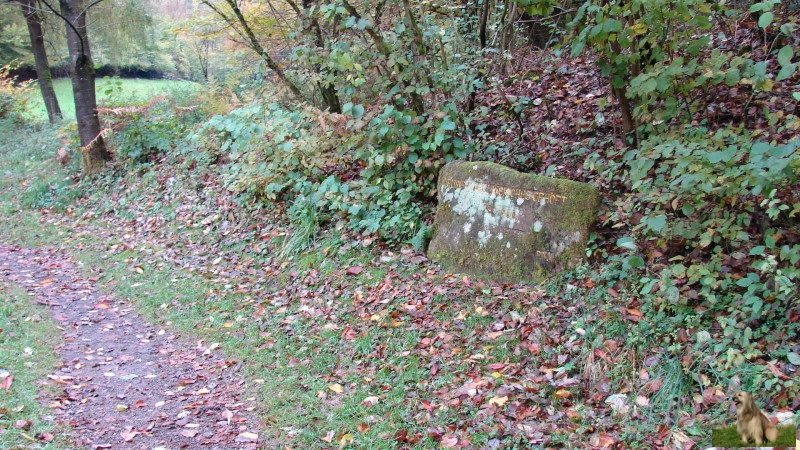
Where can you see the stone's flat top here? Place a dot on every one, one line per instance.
(494, 221)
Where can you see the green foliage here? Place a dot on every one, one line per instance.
(153, 129)
(14, 96)
(373, 178)
(662, 72)
(719, 213)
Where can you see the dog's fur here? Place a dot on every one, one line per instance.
(752, 423)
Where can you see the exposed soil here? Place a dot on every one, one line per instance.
(127, 384)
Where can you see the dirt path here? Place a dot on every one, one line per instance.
(126, 384)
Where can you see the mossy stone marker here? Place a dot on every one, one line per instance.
(495, 222)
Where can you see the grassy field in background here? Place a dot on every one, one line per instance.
(113, 91)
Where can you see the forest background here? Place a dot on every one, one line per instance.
(308, 146)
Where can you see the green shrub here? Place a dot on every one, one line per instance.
(14, 97)
(148, 130)
(714, 247)
(375, 174)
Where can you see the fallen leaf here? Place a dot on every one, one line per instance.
(328, 437)
(371, 400)
(562, 393)
(129, 435)
(355, 270)
(500, 401)
(449, 441)
(189, 433)
(604, 440)
(336, 387)
(6, 383)
(247, 436)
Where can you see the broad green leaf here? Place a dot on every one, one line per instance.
(657, 223)
(785, 72)
(626, 242)
(636, 261)
(358, 111)
(765, 19)
(785, 55)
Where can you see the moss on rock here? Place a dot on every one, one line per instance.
(496, 222)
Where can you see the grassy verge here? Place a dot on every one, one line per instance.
(729, 437)
(26, 359)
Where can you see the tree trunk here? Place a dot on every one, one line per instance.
(36, 33)
(93, 149)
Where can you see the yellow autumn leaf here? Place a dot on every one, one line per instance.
(639, 28)
(336, 387)
(498, 401)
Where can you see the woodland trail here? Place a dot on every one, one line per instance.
(123, 383)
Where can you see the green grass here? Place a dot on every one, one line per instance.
(26, 331)
(112, 91)
(729, 437)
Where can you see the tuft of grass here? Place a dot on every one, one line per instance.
(26, 331)
(729, 437)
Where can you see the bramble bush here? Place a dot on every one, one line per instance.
(400, 81)
(371, 180)
(147, 131)
(715, 243)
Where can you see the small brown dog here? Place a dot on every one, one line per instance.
(752, 423)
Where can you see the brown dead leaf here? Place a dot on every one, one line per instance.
(128, 435)
(449, 441)
(247, 436)
(371, 400)
(6, 383)
(328, 437)
(603, 440)
(562, 393)
(355, 270)
(189, 433)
